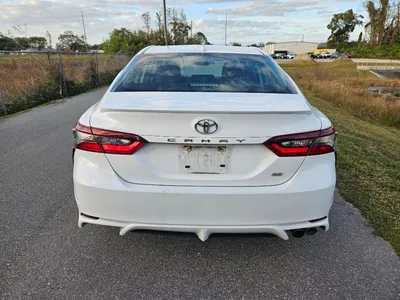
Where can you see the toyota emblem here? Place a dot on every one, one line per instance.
(206, 126)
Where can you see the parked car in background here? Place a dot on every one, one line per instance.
(326, 55)
(338, 55)
(291, 55)
(335, 55)
(204, 139)
(281, 56)
(318, 56)
(274, 56)
(346, 55)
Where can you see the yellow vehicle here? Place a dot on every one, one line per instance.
(320, 51)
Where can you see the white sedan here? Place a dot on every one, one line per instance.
(204, 139)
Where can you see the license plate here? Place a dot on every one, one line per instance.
(204, 160)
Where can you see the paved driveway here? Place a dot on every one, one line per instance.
(44, 255)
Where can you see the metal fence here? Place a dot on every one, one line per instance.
(28, 79)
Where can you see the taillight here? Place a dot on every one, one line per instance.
(106, 141)
(303, 144)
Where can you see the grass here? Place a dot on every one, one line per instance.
(368, 141)
(31, 80)
(345, 86)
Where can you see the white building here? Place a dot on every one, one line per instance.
(291, 47)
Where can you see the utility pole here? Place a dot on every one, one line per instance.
(26, 30)
(226, 27)
(165, 23)
(191, 29)
(49, 39)
(84, 30)
(302, 39)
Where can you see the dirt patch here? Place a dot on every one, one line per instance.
(303, 57)
(343, 59)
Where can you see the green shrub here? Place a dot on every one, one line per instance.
(366, 51)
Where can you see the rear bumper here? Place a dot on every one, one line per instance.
(99, 192)
(203, 232)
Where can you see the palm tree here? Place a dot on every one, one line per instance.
(371, 26)
(378, 19)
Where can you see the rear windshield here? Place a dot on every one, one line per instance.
(208, 72)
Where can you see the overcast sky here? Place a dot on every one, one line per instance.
(249, 22)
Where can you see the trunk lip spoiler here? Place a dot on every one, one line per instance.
(214, 111)
(181, 102)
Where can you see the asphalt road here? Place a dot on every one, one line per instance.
(44, 255)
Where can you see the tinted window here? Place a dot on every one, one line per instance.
(208, 72)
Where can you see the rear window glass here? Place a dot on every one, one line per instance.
(208, 72)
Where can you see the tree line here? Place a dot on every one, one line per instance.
(381, 36)
(67, 41)
(179, 32)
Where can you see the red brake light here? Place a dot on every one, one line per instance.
(106, 141)
(303, 144)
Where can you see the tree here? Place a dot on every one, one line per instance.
(198, 39)
(126, 40)
(68, 40)
(23, 43)
(382, 17)
(179, 27)
(134, 41)
(8, 44)
(396, 25)
(341, 26)
(236, 44)
(120, 39)
(384, 22)
(37, 42)
(146, 18)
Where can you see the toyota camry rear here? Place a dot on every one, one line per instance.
(204, 139)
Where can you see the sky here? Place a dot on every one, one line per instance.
(249, 22)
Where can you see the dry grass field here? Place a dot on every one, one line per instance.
(368, 140)
(29, 80)
(343, 85)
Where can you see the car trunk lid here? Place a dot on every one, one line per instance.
(175, 151)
